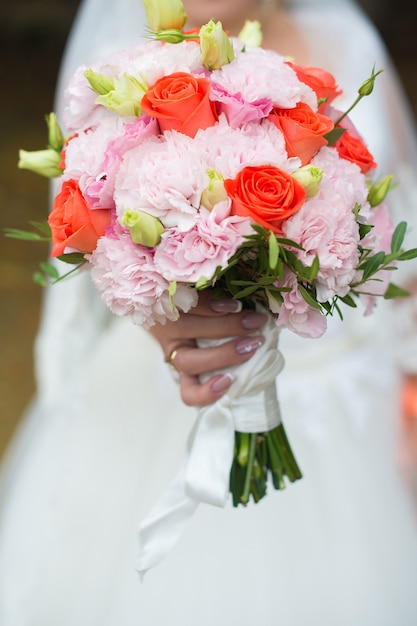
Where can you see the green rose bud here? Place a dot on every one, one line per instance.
(43, 162)
(214, 192)
(309, 176)
(165, 14)
(144, 229)
(171, 35)
(216, 47)
(100, 83)
(367, 86)
(251, 33)
(126, 96)
(55, 137)
(379, 190)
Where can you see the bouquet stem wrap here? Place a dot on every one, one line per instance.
(250, 406)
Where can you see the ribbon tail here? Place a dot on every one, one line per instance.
(162, 527)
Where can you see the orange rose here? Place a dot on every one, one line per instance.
(73, 223)
(353, 149)
(180, 102)
(303, 130)
(266, 194)
(321, 82)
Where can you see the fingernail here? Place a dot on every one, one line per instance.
(226, 305)
(252, 320)
(221, 383)
(249, 344)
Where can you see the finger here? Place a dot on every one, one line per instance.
(207, 305)
(193, 393)
(195, 361)
(231, 325)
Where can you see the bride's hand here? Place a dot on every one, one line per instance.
(211, 319)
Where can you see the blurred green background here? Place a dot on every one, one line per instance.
(32, 39)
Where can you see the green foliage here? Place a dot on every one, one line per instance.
(255, 274)
(334, 135)
(42, 232)
(48, 274)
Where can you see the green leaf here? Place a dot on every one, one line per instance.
(356, 209)
(283, 241)
(328, 307)
(40, 279)
(373, 264)
(273, 249)
(339, 312)
(398, 236)
(334, 135)
(364, 229)
(276, 295)
(408, 255)
(73, 258)
(15, 233)
(42, 226)
(49, 270)
(242, 283)
(349, 301)
(308, 297)
(394, 291)
(245, 292)
(314, 269)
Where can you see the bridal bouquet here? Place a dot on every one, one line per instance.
(197, 161)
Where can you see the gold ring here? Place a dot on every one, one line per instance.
(170, 359)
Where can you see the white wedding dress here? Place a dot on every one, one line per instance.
(107, 431)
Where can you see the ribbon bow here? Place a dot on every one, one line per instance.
(249, 406)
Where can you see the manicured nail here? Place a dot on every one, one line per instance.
(225, 305)
(252, 320)
(221, 383)
(249, 344)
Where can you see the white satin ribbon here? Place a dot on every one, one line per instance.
(250, 405)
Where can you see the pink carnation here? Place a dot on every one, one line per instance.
(236, 109)
(154, 59)
(229, 150)
(165, 177)
(257, 74)
(332, 235)
(295, 314)
(343, 183)
(189, 256)
(125, 275)
(84, 156)
(100, 192)
(80, 108)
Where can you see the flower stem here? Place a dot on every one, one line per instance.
(248, 476)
